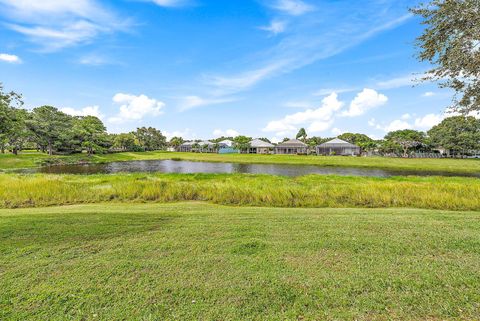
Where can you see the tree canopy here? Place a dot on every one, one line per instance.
(150, 138)
(451, 42)
(241, 142)
(302, 134)
(407, 139)
(457, 134)
(51, 127)
(361, 140)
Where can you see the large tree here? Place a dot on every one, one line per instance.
(9, 102)
(242, 143)
(451, 42)
(150, 138)
(361, 140)
(125, 142)
(18, 133)
(91, 133)
(456, 134)
(176, 141)
(407, 139)
(51, 127)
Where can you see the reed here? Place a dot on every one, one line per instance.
(242, 190)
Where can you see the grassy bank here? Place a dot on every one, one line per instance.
(202, 262)
(33, 159)
(249, 190)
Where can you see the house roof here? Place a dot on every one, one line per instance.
(199, 143)
(258, 143)
(226, 142)
(337, 142)
(295, 143)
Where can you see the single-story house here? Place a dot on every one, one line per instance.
(186, 147)
(292, 146)
(226, 143)
(226, 147)
(207, 147)
(338, 147)
(201, 147)
(258, 146)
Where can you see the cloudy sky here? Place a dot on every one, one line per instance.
(205, 68)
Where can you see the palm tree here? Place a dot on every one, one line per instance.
(196, 147)
(204, 147)
(302, 135)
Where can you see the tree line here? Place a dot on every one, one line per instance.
(454, 136)
(50, 130)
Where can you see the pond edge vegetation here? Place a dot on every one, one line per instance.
(312, 191)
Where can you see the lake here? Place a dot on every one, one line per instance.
(174, 166)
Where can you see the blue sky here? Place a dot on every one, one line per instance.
(205, 68)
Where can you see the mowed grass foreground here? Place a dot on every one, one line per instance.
(195, 261)
(240, 189)
(34, 159)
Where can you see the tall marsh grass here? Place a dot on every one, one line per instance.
(250, 190)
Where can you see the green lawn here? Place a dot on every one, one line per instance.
(194, 261)
(32, 159)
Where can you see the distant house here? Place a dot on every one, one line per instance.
(226, 147)
(258, 146)
(223, 147)
(207, 147)
(186, 147)
(292, 146)
(226, 143)
(199, 147)
(338, 147)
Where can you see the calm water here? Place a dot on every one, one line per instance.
(171, 166)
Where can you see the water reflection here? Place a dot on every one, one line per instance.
(171, 166)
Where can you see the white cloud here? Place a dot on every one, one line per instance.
(337, 131)
(226, 133)
(135, 107)
(10, 58)
(420, 123)
(299, 104)
(429, 94)
(328, 91)
(94, 60)
(292, 7)
(404, 81)
(86, 111)
(190, 102)
(170, 3)
(185, 134)
(245, 80)
(276, 140)
(311, 38)
(406, 116)
(319, 126)
(275, 27)
(57, 24)
(364, 101)
(319, 119)
(428, 121)
(475, 114)
(397, 125)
